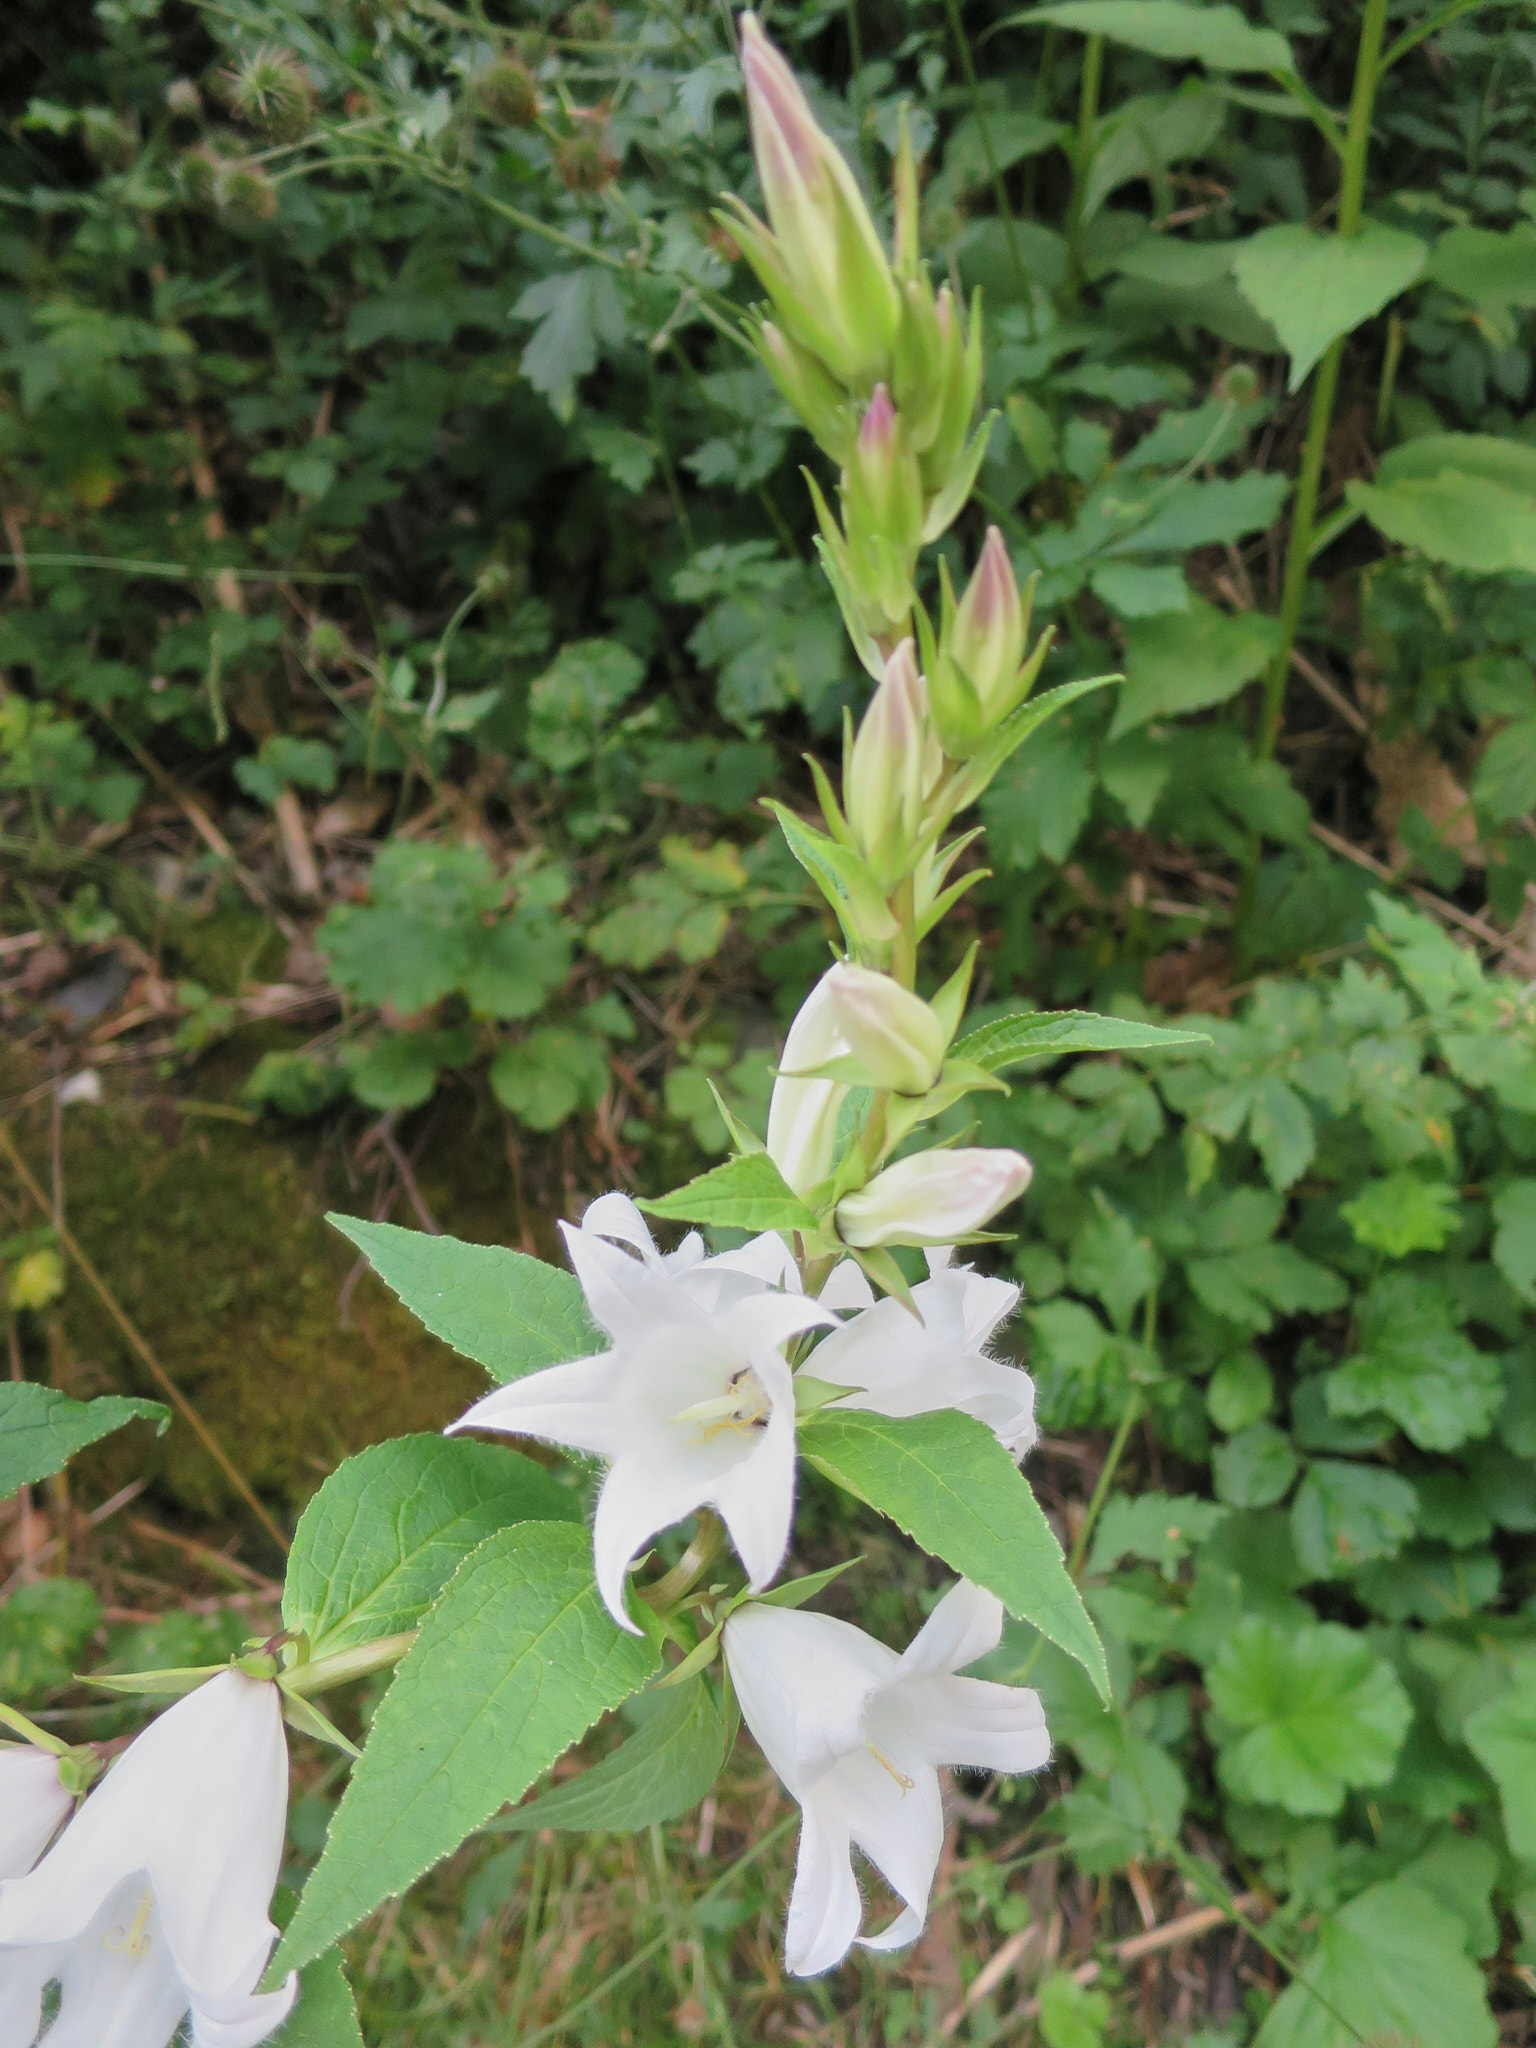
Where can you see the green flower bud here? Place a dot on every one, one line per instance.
(892, 766)
(805, 386)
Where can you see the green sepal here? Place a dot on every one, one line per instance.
(699, 1658)
(169, 1684)
(950, 502)
(742, 1136)
(1013, 732)
(812, 1394)
(882, 1271)
(831, 810)
(957, 1079)
(843, 879)
(949, 1004)
(306, 1717)
(795, 1592)
(942, 904)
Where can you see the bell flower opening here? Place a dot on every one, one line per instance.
(692, 1407)
(858, 1735)
(153, 1904)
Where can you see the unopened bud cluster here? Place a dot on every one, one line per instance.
(884, 371)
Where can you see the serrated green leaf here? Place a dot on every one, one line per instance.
(1304, 1715)
(326, 2014)
(1184, 661)
(41, 1429)
(745, 1193)
(516, 1661)
(391, 1526)
(1415, 1366)
(1391, 1966)
(1514, 1243)
(1346, 1514)
(1312, 288)
(1160, 1527)
(1218, 37)
(946, 1480)
(1047, 1034)
(1502, 1736)
(510, 1313)
(660, 1771)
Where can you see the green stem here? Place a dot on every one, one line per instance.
(344, 1665)
(1082, 155)
(690, 1567)
(1105, 1480)
(994, 169)
(30, 1732)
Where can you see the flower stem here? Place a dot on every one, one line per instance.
(364, 1658)
(691, 1566)
(1107, 1471)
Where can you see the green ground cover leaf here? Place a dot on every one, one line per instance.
(1416, 1366)
(1514, 1242)
(518, 1658)
(1305, 1715)
(946, 1480)
(1312, 288)
(1345, 1514)
(746, 1193)
(510, 1313)
(662, 1769)
(1502, 1736)
(1392, 1965)
(391, 1526)
(1218, 37)
(1186, 660)
(41, 1429)
(1160, 1527)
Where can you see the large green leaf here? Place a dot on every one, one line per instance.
(1493, 269)
(1391, 1966)
(1184, 661)
(662, 1770)
(1502, 1736)
(1465, 499)
(746, 1193)
(1044, 1034)
(1217, 37)
(518, 1658)
(946, 1480)
(41, 1429)
(326, 2014)
(1312, 288)
(391, 1526)
(510, 1313)
(1346, 1514)
(1303, 1714)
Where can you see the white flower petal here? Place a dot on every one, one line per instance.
(847, 1287)
(579, 1404)
(966, 1624)
(968, 1722)
(118, 1984)
(802, 1679)
(623, 1293)
(615, 1215)
(824, 1906)
(894, 1813)
(23, 1973)
(758, 1506)
(33, 1806)
(240, 2020)
(640, 1495)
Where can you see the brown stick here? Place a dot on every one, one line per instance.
(141, 1350)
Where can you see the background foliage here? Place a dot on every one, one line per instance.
(411, 594)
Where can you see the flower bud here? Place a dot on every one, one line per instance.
(803, 1114)
(805, 386)
(933, 1198)
(891, 1033)
(507, 91)
(892, 765)
(882, 488)
(822, 263)
(989, 627)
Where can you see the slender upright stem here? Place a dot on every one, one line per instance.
(1082, 155)
(994, 169)
(1106, 1479)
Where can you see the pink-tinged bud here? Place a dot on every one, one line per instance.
(892, 766)
(988, 633)
(883, 488)
(877, 429)
(892, 1035)
(824, 263)
(935, 1198)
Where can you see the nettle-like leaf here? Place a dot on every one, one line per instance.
(661, 1770)
(1312, 288)
(1048, 1034)
(1346, 1514)
(1392, 1965)
(1218, 37)
(946, 1480)
(41, 1429)
(391, 1526)
(510, 1313)
(1415, 1365)
(516, 1661)
(1163, 1528)
(1304, 1715)
(747, 1192)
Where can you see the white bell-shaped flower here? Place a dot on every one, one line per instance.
(694, 1406)
(933, 1197)
(33, 1806)
(803, 1112)
(858, 1736)
(900, 1366)
(153, 1903)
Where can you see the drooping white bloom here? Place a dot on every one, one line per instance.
(858, 1735)
(933, 1197)
(694, 1405)
(802, 1114)
(152, 1905)
(905, 1367)
(33, 1806)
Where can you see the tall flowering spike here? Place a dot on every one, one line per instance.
(897, 1365)
(823, 264)
(858, 1735)
(153, 1904)
(34, 1805)
(694, 1405)
(892, 768)
(933, 1198)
